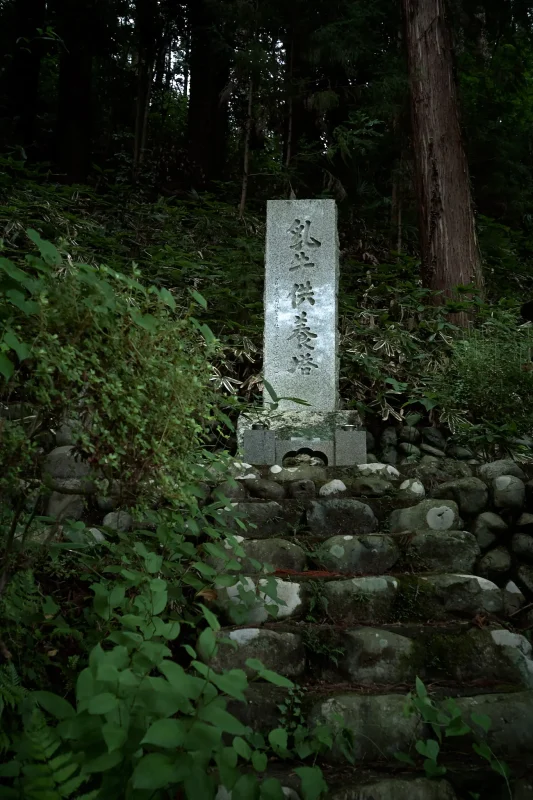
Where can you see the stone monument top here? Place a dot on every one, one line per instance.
(301, 359)
(301, 288)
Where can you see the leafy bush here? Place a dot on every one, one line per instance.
(485, 392)
(118, 357)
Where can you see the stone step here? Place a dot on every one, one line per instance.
(370, 554)
(378, 727)
(459, 654)
(364, 600)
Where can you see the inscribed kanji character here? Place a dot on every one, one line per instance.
(302, 292)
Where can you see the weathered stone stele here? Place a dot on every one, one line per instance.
(301, 286)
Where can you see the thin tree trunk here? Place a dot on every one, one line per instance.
(449, 248)
(246, 159)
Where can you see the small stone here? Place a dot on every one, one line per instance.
(466, 594)
(433, 514)
(522, 546)
(470, 494)
(370, 487)
(372, 459)
(434, 437)
(106, 504)
(388, 438)
(409, 449)
(275, 553)
(410, 434)
(282, 652)
(494, 563)
(360, 600)
(488, 527)
(63, 464)
(450, 551)
(529, 495)
(513, 599)
(332, 489)
(265, 489)
(398, 789)
(378, 469)
(232, 490)
(525, 523)
(458, 452)
(118, 521)
(411, 491)
(389, 455)
(370, 442)
(509, 492)
(432, 451)
(525, 577)
(346, 516)
(505, 466)
(289, 602)
(65, 506)
(377, 656)
(432, 471)
(301, 490)
(262, 520)
(275, 469)
(359, 554)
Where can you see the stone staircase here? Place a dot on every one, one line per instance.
(375, 586)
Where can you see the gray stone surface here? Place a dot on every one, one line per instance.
(448, 551)
(277, 553)
(359, 600)
(410, 434)
(370, 441)
(359, 554)
(336, 517)
(411, 491)
(525, 577)
(465, 594)
(439, 515)
(267, 518)
(377, 656)
(513, 599)
(505, 466)
(399, 789)
(409, 449)
(488, 528)
(282, 652)
(461, 453)
(248, 601)
(63, 464)
(118, 521)
(432, 471)
(432, 451)
(265, 489)
(350, 447)
(301, 286)
(389, 437)
(522, 546)
(301, 490)
(509, 492)
(65, 506)
(233, 490)
(380, 728)
(259, 446)
(470, 494)
(334, 488)
(434, 437)
(524, 523)
(377, 723)
(494, 563)
(370, 487)
(389, 455)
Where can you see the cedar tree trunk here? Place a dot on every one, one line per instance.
(449, 249)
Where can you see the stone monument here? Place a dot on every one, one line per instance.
(301, 363)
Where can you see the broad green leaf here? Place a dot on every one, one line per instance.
(7, 368)
(482, 720)
(222, 719)
(207, 644)
(421, 689)
(103, 762)
(271, 790)
(277, 680)
(234, 683)
(211, 618)
(255, 664)
(278, 739)
(259, 761)
(313, 783)
(246, 788)
(169, 733)
(242, 748)
(200, 783)
(22, 350)
(198, 297)
(114, 736)
(55, 705)
(48, 251)
(102, 703)
(156, 771)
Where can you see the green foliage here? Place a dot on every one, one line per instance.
(446, 720)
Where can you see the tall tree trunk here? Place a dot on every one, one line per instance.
(246, 157)
(208, 106)
(74, 114)
(149, 34)
(22, 76)
(449, 249)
